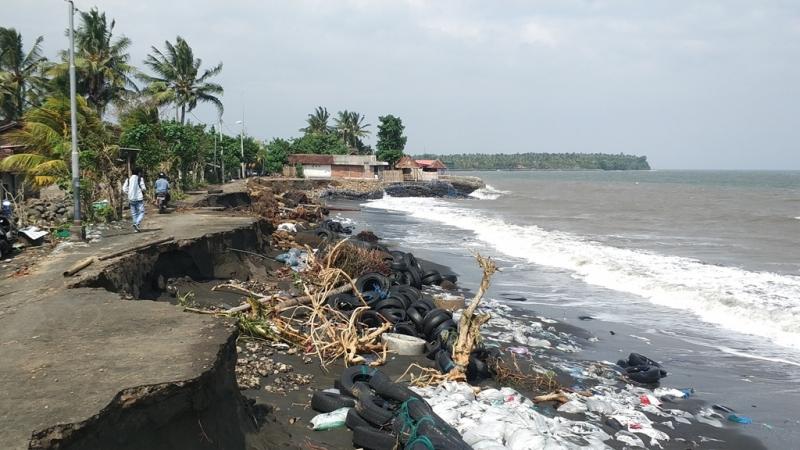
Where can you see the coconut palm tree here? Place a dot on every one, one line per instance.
(318, 122)
(102, 68)
(21, 74)
(351, 127)
(177, 81)
(46, 138)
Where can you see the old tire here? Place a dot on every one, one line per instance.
(325, 402)
(372, 439)
(372, 282)
(354, 420)
(433, 319)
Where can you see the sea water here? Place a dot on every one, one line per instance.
(704, 264)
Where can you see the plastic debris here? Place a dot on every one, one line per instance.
(331, 420)
(740, 419)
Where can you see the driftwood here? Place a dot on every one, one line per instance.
(80, 265)
(280, 307)
(469, 327)
(135, 248)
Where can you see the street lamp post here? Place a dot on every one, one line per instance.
(241, 141)
(77, 228)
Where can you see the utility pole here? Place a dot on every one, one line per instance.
(221, 150)
(77, 228)
(241, 140)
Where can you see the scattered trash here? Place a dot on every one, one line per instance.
(740, 419)
(294, 258)
(331, 420)
(288, 226)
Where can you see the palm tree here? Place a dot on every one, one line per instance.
(318, 122)
(21, 78)
(46, 137)
(351, 127)
(102, 64)
(177, 81)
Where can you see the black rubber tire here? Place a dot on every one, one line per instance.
(432, 348)
(371, 319)
(398, 266)
(410, 292)
(372, 439)
(436, 334)
(325, 235)
(444, 362)
(645, 374)
(416, 318)
(432, 280)
(426, 303)
(411, 260)
(451, 278)
(343, 302)
(406, 328)
(388, 389)
(477, 370)
(372, 281)
(391, 302)
(397, 255)
(371, 298)
(353, 375)
(370, 408)
(354, 420)
(326, 402)
(415, 277)
(393, 315)
(433, 319)
(405, 298)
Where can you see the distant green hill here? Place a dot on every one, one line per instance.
(541, 161)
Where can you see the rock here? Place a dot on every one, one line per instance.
(424, 189)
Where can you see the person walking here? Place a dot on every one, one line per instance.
(134, 188)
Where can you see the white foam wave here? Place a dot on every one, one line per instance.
(488, 193)
(759, 303)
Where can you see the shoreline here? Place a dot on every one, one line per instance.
(607, 348)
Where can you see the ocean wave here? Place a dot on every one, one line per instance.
(488, 193)
(757, 303)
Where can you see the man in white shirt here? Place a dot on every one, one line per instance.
(134, 187)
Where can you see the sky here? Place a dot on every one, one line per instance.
(711, 84)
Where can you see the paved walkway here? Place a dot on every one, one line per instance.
(66, 352)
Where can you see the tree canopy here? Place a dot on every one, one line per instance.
(178, 81)
(391, 141)
(541, 161)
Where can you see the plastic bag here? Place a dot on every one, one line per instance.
(331, 420)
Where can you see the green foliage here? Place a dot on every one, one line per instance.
(298, 171)
(318, 122)
(104, 74)
(391, 141)
(278, 151)
(46, 137)
(351, 128)
(318, 143)
(21, 75)
(177, 80)
(541, 161)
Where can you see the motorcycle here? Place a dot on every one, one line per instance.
(8, 235)
(161, 200)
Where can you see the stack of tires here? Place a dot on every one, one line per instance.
(386, 415)
(407, 270)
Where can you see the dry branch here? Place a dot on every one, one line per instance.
(469, 325)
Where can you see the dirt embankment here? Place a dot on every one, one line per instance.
(204, 412)
(143, 274)
(180, 414)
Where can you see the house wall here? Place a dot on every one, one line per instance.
(351, 171)
(316, 171)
